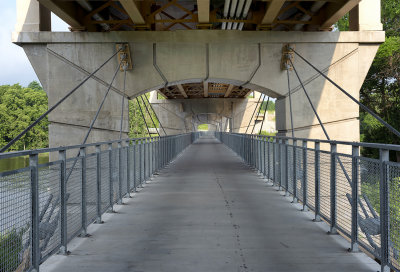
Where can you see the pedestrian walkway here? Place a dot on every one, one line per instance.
(208, 211)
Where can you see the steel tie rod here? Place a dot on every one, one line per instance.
(93, 121)
(6, 147)
(151, 118)
(392, 129)
(319, 120)
(155, 115)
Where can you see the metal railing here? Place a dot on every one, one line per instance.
(44, 206)
(359, 197)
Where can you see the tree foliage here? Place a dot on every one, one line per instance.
(137, 125)
(381, 89)
(19, 107)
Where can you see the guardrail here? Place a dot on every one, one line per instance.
(44, 206)
(359, 197)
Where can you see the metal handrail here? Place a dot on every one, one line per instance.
(361, 206)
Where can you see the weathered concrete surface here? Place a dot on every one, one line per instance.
(209, 212)
(59, 60)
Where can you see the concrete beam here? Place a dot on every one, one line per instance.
(229, 90)
(133, 11)
(334, 11)
(32, 17)
(67, 11)
(203, 11)
(182, 90)
(366, 16)
(205, 86)
(272, 11)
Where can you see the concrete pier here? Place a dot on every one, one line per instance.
(208, 211)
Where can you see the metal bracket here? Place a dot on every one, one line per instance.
(287, 56)
(124, 56)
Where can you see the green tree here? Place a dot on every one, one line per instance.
(381, 88)
(19, 107)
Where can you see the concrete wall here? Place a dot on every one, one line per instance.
(61, 59)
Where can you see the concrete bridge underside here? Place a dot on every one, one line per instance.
(198, 216)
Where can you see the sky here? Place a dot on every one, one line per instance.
(15, 66)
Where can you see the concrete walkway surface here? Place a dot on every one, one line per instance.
(208, 211)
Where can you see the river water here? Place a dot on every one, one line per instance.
(20, 162)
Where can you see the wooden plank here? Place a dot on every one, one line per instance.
(272, 11)
(229, 90)
(133, 11)
(334, 11)
(182, 90)
(203, 11)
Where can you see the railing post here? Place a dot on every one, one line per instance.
(354, 198)
(145, 166)
(141, 162)
(134, 165)
(278, 163)
(285, 169)
(62, 156)
(384, 212)
(264, 143)
(274, 161)
(120, 173)
(128, 169)
(111, 186)
(269, 158)
(98, 183)
(317, 171)
(82, 153)
(333, 208)
(305, 177)
(295, 199)
(34, 163)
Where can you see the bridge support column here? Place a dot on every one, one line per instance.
(32, 17)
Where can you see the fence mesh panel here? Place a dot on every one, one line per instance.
(394, 214)
(132, 168)
(115, 173)
(105, 180)
(299, 173)
(369, 205)
(74, 195)
(311, 178)
(91, 187)
(137, 165)
(290, 169)
(343, 189)
(142, 162)
(325, 174)
(271, 161)
(15, 220)
(124, 177)
(50, 208)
